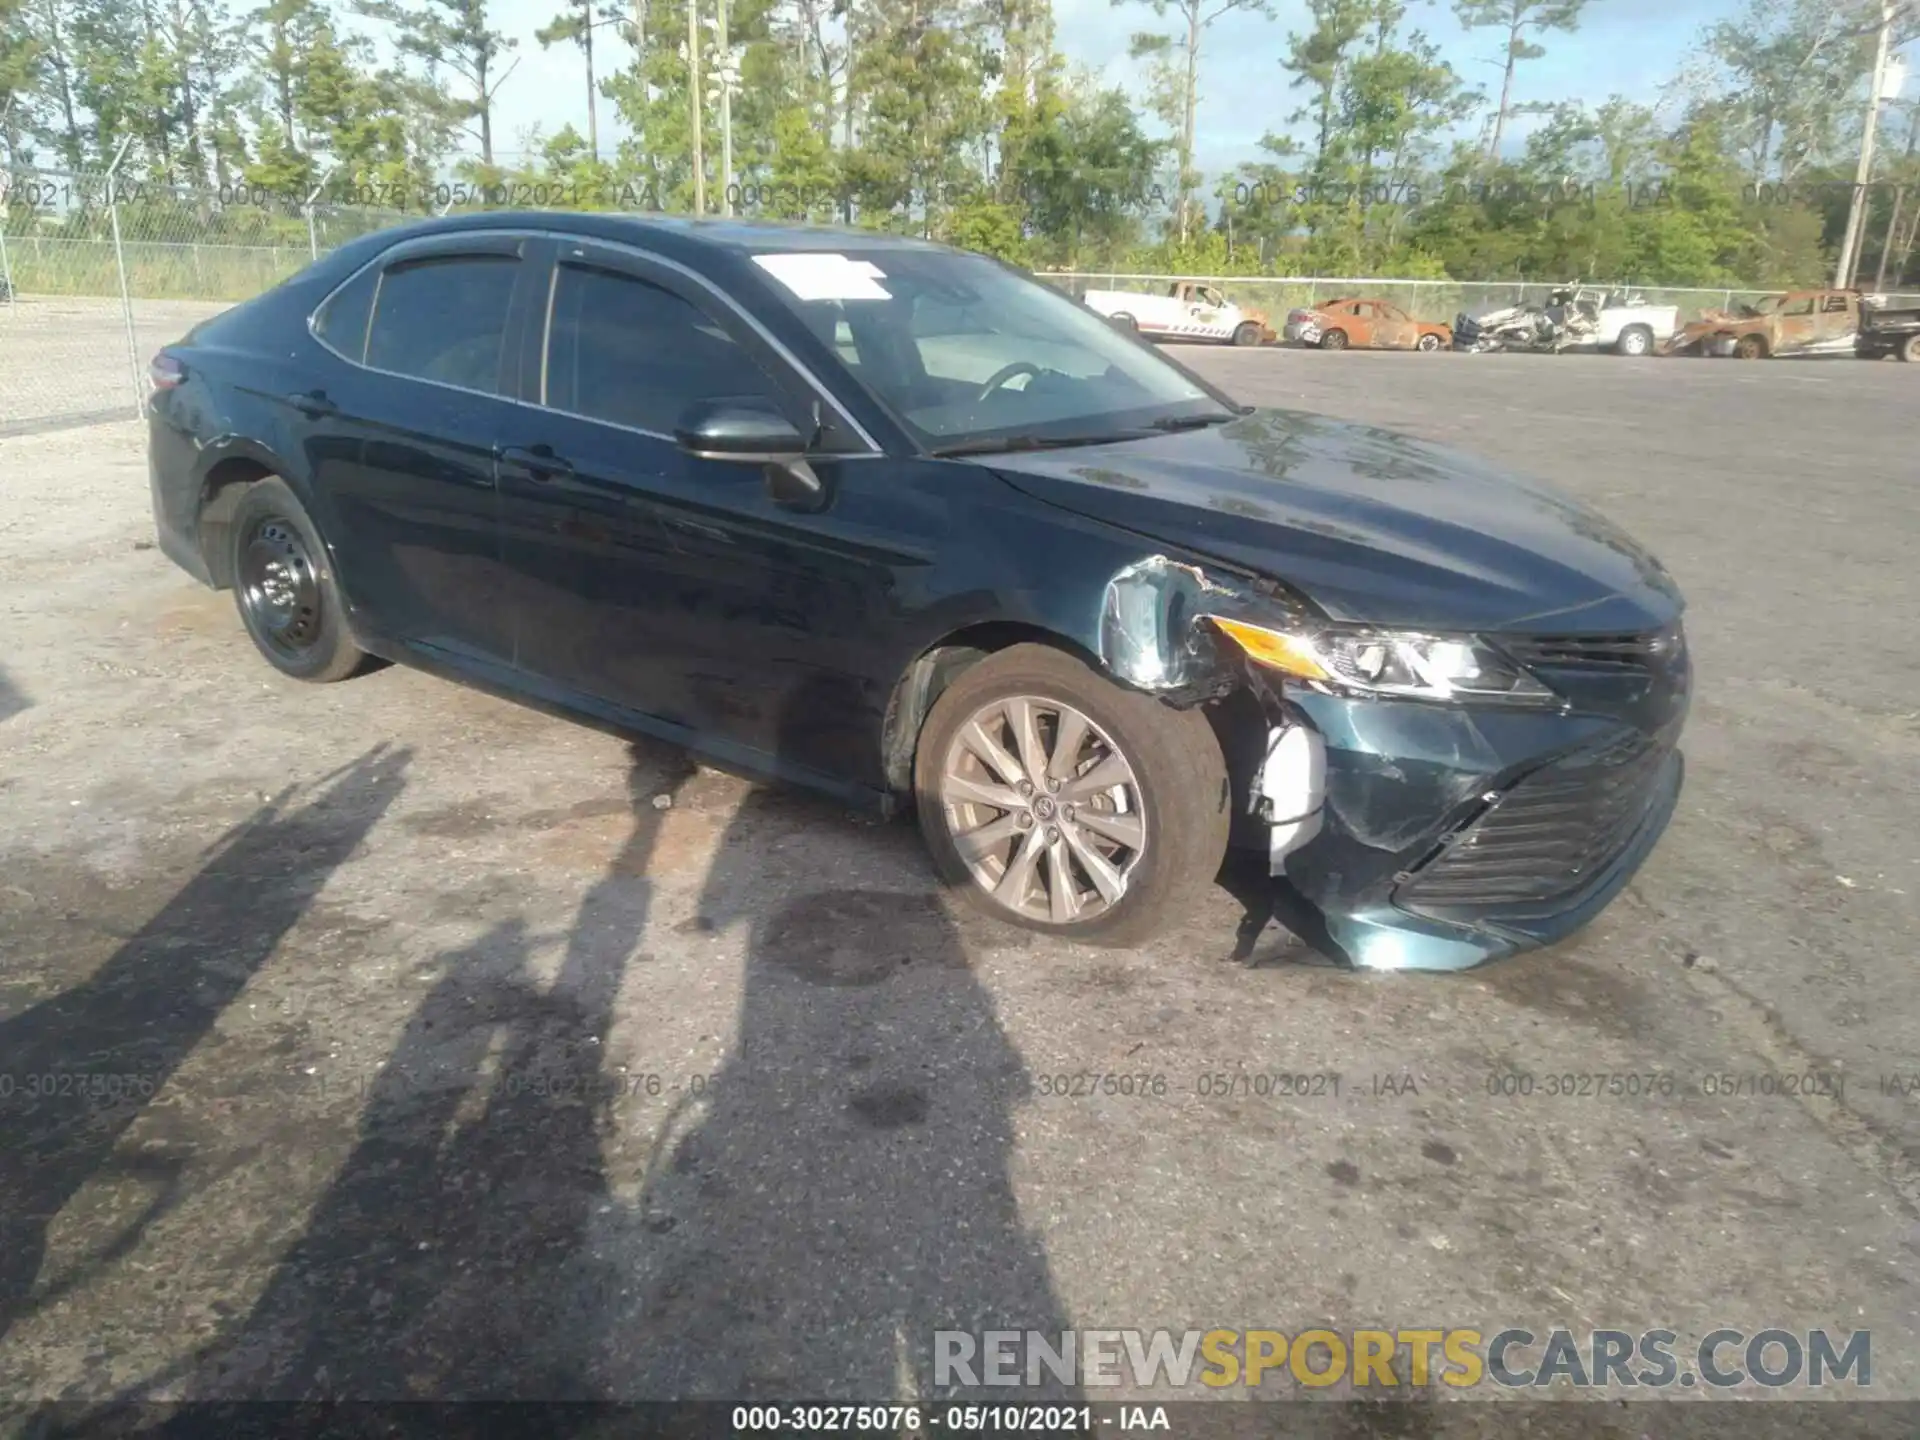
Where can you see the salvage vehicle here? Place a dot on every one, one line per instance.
(1800, 322)
(705, 480)
(1888, 330)
(1188, 311)
(1577, 317)
(1368, 324)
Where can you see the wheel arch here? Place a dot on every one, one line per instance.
(235, 467)
(927, 676)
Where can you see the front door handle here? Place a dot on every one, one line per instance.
(698, 530)
(313, 404)
(538, 461)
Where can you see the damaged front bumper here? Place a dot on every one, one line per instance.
(1409, 834)
(1446, 837)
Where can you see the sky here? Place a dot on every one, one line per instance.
(1623, 47)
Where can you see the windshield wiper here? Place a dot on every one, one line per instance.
(1003, 444)
(1190, 422)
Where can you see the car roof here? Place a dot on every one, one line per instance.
(679, 236)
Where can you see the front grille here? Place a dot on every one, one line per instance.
(1550, 835)
(1611, 654)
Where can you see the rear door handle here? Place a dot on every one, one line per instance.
(538, 461)
(313, 404)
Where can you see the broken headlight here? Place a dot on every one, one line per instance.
(1390, 663)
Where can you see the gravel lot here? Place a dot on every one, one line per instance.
(482, 1054)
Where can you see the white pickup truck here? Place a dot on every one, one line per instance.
(1577, 317)
(1188, 311)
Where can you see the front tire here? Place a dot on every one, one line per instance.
(1057, 801)
(1910, 350)
(1246, 333)
(284, 587)
(1750, 347)
(1428, 343)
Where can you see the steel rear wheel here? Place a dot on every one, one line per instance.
(284, 587)
(1057, 801)
(1334, 340)
(279, 589)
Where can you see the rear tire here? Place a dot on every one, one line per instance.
(1334, 340)
(1750, 347)
(1428, 343)
(284, 587)
(1163, 782)
(1124, 322)
(1635, 341)
(1910, 349)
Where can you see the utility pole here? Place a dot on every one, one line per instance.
(697, 99)
(726, 115)
(1899, 198)
(1856, 210)
(722, 83)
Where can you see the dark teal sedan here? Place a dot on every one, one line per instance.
(903, 524)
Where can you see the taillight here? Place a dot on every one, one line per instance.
(165, 372)
(1296, 316)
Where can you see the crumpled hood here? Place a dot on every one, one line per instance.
(1371, 525)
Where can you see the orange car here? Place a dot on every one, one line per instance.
(1369, 324)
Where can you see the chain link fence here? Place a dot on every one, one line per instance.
(98, 272)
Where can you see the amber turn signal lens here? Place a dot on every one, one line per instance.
(1270, 647)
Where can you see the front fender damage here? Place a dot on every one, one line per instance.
(1156, 636)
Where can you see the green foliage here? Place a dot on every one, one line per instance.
(957, 119)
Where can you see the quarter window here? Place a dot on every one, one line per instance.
(627, 351)
(444, 319)
(342, 321)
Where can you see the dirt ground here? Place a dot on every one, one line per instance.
(404, 1042)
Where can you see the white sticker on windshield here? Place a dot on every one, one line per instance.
(812, 275)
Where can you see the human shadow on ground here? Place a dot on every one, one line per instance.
(836, 1194)
(82, 1066)
(849, 1191)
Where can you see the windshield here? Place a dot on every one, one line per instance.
(961, 349)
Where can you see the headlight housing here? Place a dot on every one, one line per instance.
(1390, 663)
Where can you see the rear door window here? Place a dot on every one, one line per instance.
(444, 318)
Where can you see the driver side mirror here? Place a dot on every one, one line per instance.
(755, 435)
(733, 430)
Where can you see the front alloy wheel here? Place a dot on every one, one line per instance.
(1058, 801)
(1044, 809)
